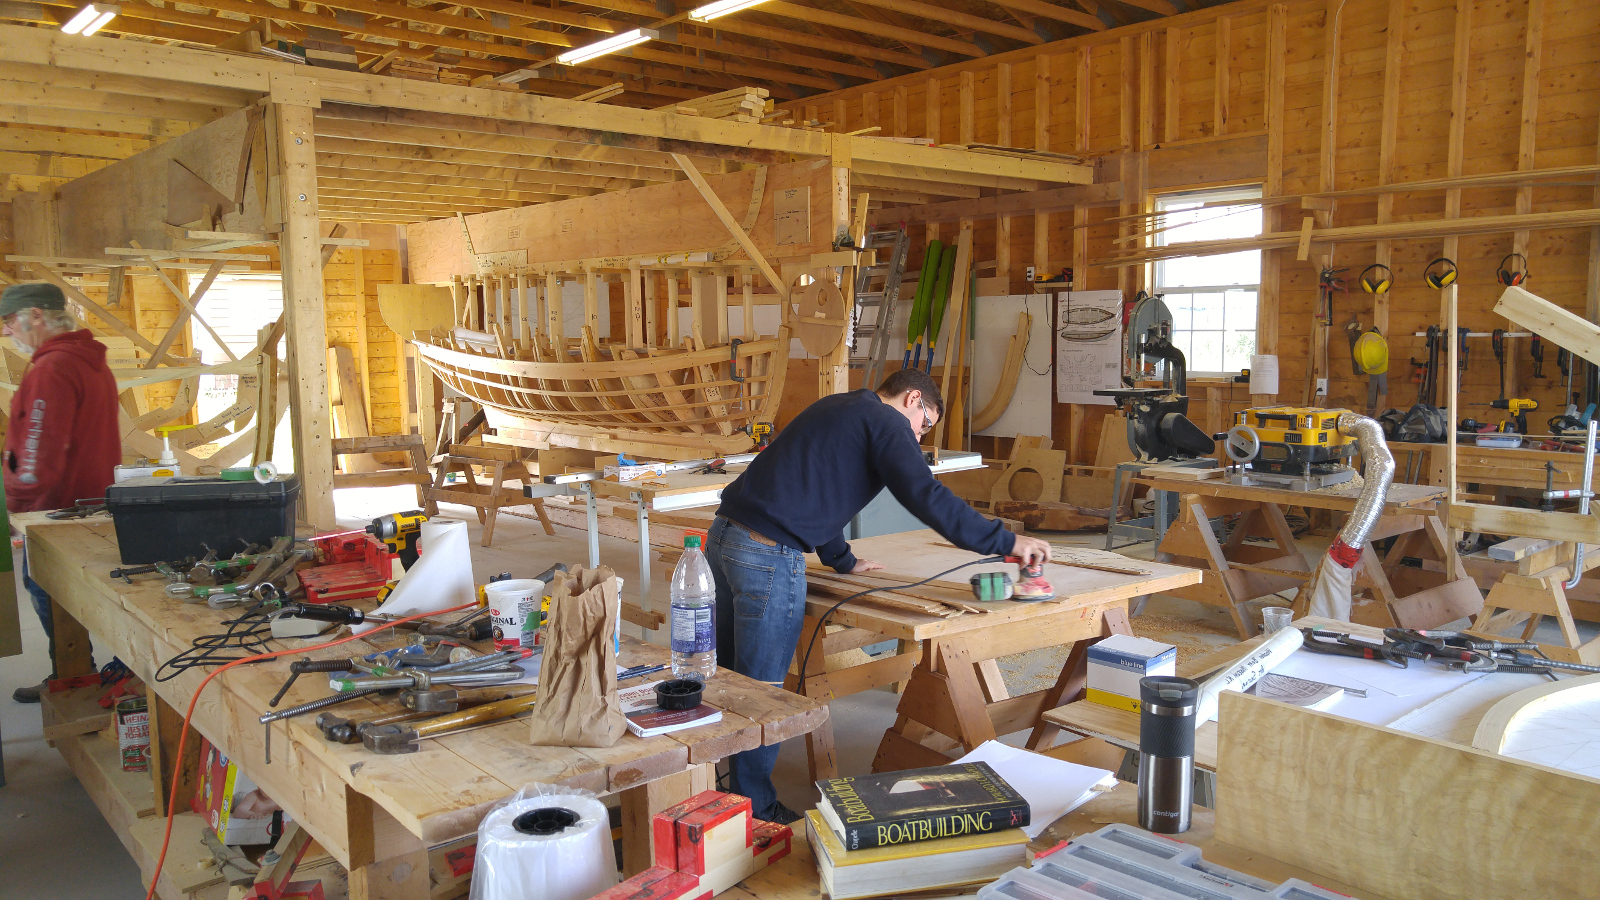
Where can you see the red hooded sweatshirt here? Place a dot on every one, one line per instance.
(62, 442)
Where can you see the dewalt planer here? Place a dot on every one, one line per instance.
(1289, 446)
(400, 531)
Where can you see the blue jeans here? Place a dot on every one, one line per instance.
(41, 606)
(761, 602)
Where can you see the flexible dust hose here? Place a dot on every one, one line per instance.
(1378, 470)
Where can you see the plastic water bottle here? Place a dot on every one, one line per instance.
(694, 617)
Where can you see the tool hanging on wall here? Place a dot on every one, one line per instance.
(1497, 343)
(1328, 281)
(1513, 275)
(1369, 355)
(1536, 350)
(1376, 279)
(1441, 273)
(938, 301)
(918, 323)
(1461, 358)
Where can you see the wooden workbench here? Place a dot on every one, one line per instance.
(1237, 572)
(377, 814)
(954, 694)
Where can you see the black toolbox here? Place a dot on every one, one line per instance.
(163, 519)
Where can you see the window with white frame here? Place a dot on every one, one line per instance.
(1212, 298)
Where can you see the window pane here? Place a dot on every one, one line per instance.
(1241, 309)
(1179, 305)
(1238, 349)
(1208, 310)
(1229, 268)
(1207, 353)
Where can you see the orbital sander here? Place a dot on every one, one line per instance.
(1030, 586)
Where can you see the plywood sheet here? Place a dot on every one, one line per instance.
(128, 201)
(661, 218)
(1399, 814)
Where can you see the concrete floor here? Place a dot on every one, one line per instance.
(46, 816)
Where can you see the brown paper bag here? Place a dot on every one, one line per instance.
(577, 705)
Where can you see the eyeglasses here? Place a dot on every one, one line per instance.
(927, 420)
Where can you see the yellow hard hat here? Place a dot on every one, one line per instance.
(1371, 353)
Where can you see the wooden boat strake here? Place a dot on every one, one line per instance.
(672, 403)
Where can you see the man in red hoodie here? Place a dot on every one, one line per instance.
(62, 441)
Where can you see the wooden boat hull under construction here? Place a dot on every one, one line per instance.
(663, 403)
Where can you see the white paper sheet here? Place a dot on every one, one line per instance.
(1052, 787)
(1391, 693)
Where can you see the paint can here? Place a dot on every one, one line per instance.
(511, 602)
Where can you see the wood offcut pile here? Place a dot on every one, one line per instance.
(746, 104)
(931, 598)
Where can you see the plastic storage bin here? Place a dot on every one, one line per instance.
(161, 519)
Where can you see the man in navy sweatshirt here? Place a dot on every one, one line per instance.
(795, 498)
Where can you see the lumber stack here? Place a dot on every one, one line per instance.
(415, 69)
(746, 104)
(331, 55)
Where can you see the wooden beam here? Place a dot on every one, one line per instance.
(1222, 80)
(946, 16)
(1527, 132)
(733, 226)
(402, 171)
(1170, 76)
(175, 330)
(1388, 132)
(1041, 141)
(867, 26)
(737, 25)
(1047, 201)
(601, 162)
(1054, 12)
(1268, 300)
(304, 309)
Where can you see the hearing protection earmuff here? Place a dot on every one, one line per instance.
(1379, 284)
(1512, 277)
(1443, 278)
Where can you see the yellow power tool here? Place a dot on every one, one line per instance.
(1298, 447)
(1519, 408)
(400, 531)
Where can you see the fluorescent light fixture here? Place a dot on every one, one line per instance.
(721, 8)
(622, 41)
(91, 18)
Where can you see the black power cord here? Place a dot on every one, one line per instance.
(805, 660)
(246, 636)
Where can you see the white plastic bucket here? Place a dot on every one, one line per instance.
(510, 604)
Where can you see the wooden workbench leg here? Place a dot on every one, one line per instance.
(821, 756)
(994, 684)
(74, 653)
(966, 694)
(166, 768)
(403, 877)
(1074, 676)
(640, 803)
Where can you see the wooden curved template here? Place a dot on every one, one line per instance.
(1497, 722)
(821, 318)
(1007, 387)
(1049, 464)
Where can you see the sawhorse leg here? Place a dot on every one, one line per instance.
(1074, 676)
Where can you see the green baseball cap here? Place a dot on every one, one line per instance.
(34, 295)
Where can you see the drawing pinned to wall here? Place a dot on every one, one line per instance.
(1088, 327)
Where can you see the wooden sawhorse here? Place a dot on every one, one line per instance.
(1238, 570)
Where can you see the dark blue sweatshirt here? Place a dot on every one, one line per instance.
(829, 463)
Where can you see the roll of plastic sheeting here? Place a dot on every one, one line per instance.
(553, 846)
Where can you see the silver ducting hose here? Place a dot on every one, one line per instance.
(1377, 469)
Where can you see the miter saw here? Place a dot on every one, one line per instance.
(1300, 448)
(1159, 429)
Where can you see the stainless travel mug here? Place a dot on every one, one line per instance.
(1166, 752)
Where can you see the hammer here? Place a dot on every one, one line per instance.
(395, 738)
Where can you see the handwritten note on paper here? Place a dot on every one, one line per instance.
(791, 216)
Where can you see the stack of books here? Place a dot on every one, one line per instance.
(917, 830)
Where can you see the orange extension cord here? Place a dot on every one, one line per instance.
(183, 736)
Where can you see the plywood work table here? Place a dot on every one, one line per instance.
(375, 813)
(1120, 727)
(954, 695)
(1237, 571)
